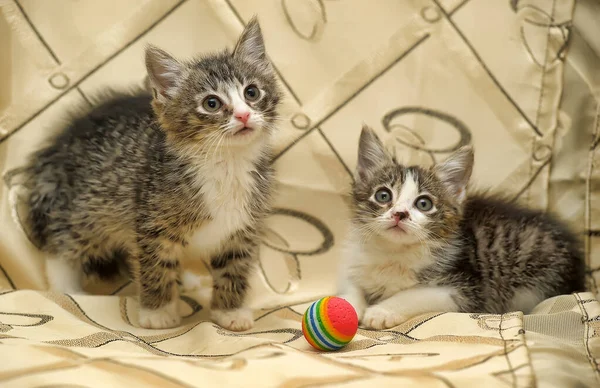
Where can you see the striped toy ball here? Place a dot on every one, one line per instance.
(330, 323)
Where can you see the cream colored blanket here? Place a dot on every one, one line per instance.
(519, 79)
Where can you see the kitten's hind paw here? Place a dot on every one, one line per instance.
(192, 282)
(379, 318)
(164, 317)
(234, 320)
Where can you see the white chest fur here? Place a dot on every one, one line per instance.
(227, 188)
(382, 271)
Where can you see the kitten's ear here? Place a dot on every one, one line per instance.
(164, 73)
(251, 46)
(455, 171)
(371, 154)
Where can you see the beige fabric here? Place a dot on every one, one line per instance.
(428, 75)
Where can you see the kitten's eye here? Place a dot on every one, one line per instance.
(424, 203)
(251, 93)
(212, 104)
(383, 195)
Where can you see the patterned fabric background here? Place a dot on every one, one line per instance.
(519, 79)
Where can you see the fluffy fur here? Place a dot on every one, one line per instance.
(467, 253)
(137, 179)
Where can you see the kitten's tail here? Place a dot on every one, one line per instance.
(30, 202)
(15, 192)
(13, 201)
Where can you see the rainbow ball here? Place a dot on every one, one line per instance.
(329, 323)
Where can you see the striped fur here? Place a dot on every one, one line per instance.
(133, 183)
(469, 252)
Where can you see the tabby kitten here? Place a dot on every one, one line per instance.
(140, 177)
(420, 244)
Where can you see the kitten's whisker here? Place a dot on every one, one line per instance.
(366, 231)
(212, 146)
(218, 145)
(208, 150)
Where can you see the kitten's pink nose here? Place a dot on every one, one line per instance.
(400, 216)
(243, 116)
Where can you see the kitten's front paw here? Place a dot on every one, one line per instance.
(234, 320)
(162, 318)
(378, 317)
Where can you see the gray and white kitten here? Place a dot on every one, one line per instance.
(139, 178)
(420, 243)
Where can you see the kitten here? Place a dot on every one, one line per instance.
(140, 177)
(420, 244)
